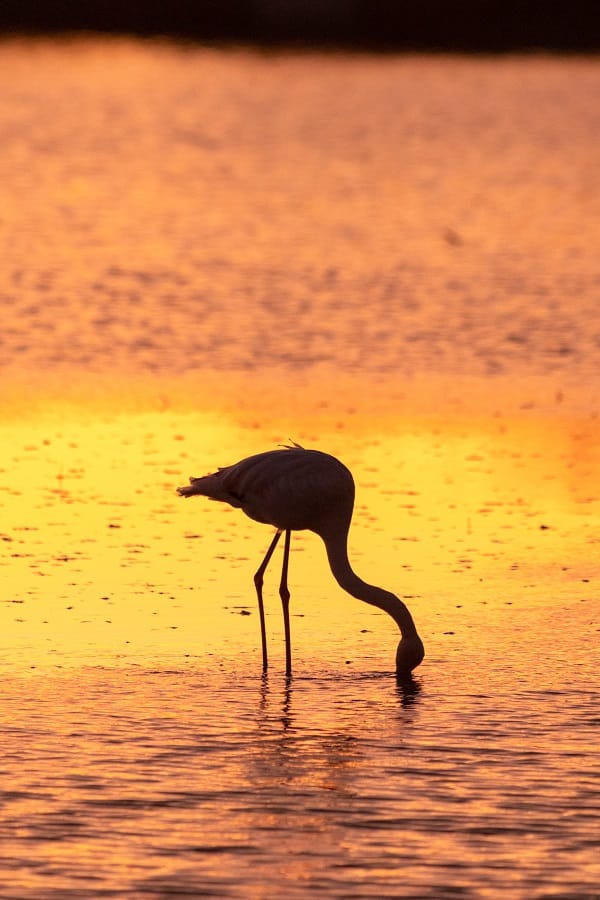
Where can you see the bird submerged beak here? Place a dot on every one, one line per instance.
(409, 655)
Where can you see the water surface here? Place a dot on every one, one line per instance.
(208, 253)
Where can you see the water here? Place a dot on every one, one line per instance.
(207, 253)
(208, 781)
(181, 210)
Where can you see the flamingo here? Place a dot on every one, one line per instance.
(296, 489)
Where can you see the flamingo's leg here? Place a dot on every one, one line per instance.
(285, 602)
(258, 584)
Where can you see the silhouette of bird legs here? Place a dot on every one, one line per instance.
(285, 599)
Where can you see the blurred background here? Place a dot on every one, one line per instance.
(466, 25)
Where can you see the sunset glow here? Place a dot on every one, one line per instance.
(102, 560)
(210, 252)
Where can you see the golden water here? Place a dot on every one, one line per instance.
(208, 253)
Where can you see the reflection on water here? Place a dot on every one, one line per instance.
(394, 260)
(192, 781)
(170, 210)
(100, 558)
(137, 728)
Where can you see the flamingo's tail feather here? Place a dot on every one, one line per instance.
(210, 486)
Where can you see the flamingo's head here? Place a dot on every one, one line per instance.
(409, 655)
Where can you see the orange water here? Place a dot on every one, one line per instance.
(208, 253)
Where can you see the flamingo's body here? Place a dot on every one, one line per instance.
(296, 489)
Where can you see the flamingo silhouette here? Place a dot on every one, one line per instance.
(296, 489)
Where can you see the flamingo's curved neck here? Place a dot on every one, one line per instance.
(336, 545)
